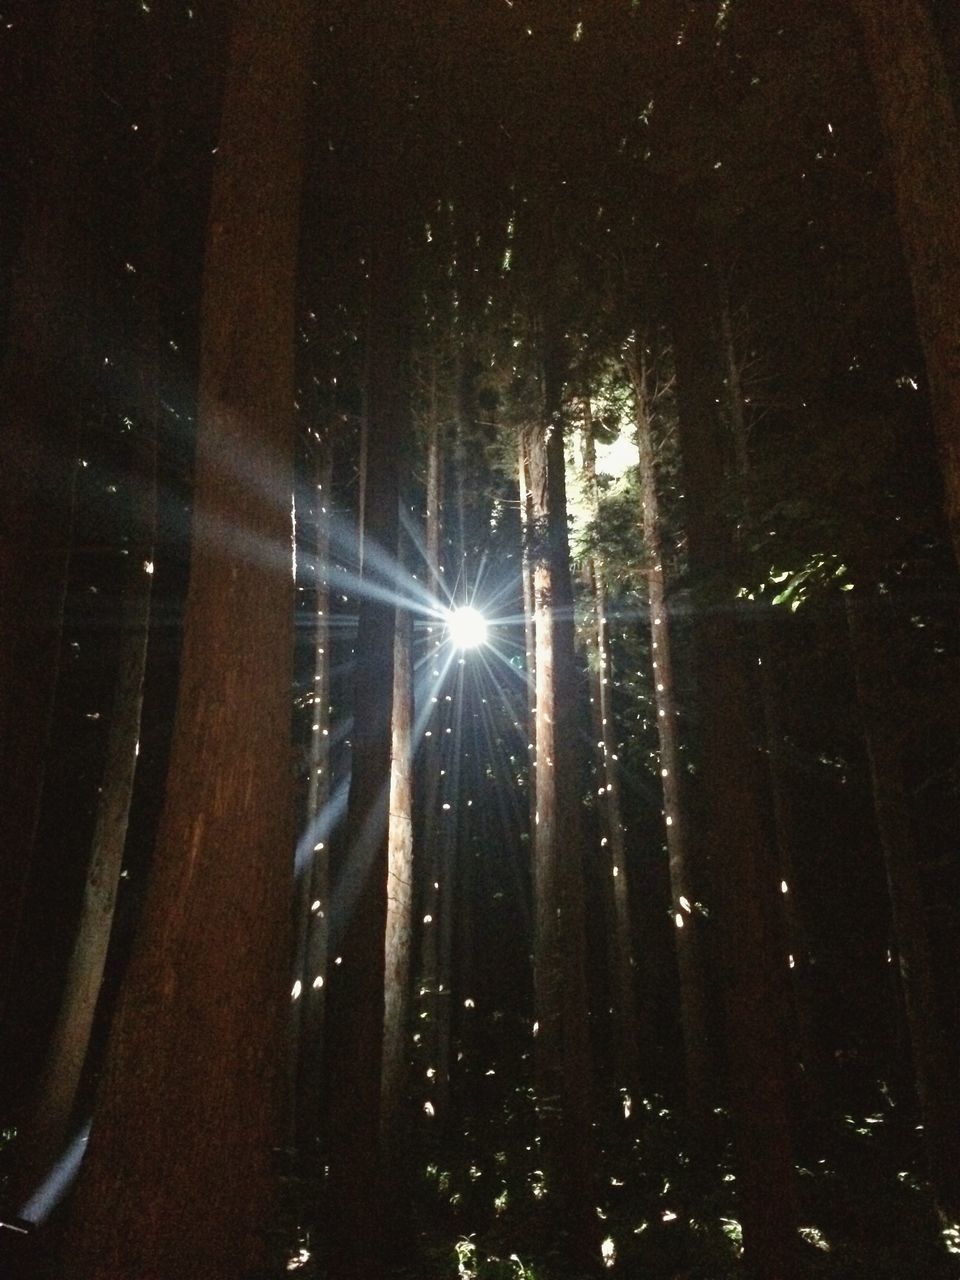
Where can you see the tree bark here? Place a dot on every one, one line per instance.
(529, 629)
(355, 1009)
(918, 113)
(205, 985)
(797, 950)
(934, 1071)
(698, 1052)
(751, 973)
(562, 1051)
(399, 929)
(620, 942)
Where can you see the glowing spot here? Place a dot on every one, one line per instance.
(784, 887)
(467, 628)
(668, 1216)
(428, 1108)
(814, 1236)
(148, 566)
(608, 1251)
(318, 982)
(685, 903)
(678, 920)
(297, 988)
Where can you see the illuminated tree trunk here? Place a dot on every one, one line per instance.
(753, 969)
(625, 1021)
(529, 636)
(934, 1068)
(399, 928)
(355, 1008)
(42, 383)
(313, 896)
(562, 1045)
(698, 1055)
(435, 861)
(918, 112)
(205, 986)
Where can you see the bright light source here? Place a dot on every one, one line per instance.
(467, 627)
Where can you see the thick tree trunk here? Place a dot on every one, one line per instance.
(562, 1052)
(313, 895)
(744, 866)
(698, 1052)
(205, 984)
(917, 109)
(934, 1070)
(42, 384)
(620, 939)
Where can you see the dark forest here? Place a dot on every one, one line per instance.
(479, 651)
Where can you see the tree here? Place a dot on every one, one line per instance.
(562, 1049)
(919, 115)
(689, 941)
(355, 1009)
(742, 862)
(625, 1022)
(205, 985)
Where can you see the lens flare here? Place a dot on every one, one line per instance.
(467, 627)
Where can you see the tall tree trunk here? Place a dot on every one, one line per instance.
(751, 971)
(698, 1053)
(433, 862)
(206, 982)
(355, 1002)
(529, 630)
(399, 929)
(313, 897)
(934, 1070)
(42, 384)
(799, 957)
(562, 1053)
(67, 1051)
(625, 1021)
(917, 109)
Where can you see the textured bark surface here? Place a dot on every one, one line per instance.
(206, 984)
(42, 383)
(918, 113)
(744, 866)
(399, 930)
(933, 1063)
(562, 1045)
(698, 1052)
